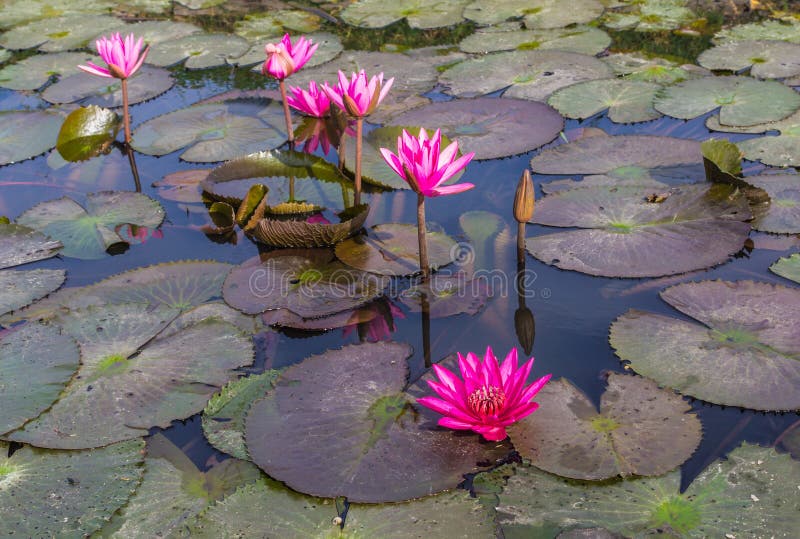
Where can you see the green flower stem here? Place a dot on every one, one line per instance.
(286, 113)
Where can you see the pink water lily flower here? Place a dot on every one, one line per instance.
(312, 102)
(424, 167)
(283, 58)
(489, 396)
(123, 56)
(358, 96)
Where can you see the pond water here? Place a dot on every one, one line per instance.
(573, 311)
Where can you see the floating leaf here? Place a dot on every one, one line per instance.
(601, 180)
(745, 327)
(287, 319)
(311, 286)
(223, 218)
(33, 72)
(155, 32)
(290, 233)
(742, 101)
(88, 233)
(766, 59)
(640, 430)
(36, 363)
(20, 245)
(217, 310)
(5, 55)
(14, 12)
(780, 151)
(260, 26)
(657, 70)
(87, 132)
(267, 508)
(131, 379)
(489, 127)
(147, 83)
(369, 437)
(66, 493)
(537, 13)
(626, 101)
(182, 186)
(447, 295)
(199, 50)
(750, 494)
(59, 33)
(625, 235)
(21, 288)
(788, 267)
(393, 249)
(212, 132)
(581, 39)
(782, 214)
(224, 415)
(770, 29)
(651, 15)
(418, 13)
(26, 134)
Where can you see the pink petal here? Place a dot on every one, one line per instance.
(492, 434)
(529, 392)
(394, 162)
(96, 70)
(449, 189)
(451, 423)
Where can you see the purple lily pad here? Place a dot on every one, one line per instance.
(782, 214)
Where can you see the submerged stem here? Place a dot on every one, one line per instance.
(423, 241)
(286, 113)
(359, 142)
(341, 151)
(125, 114)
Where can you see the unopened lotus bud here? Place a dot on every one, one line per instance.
(524, 198)
(525, 326)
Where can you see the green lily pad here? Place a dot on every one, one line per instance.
(651, 15)
(5, 55)
(602, 180)
(158, 7)
(36, 363)
(329, 47)
(766, 59)
(262, 26)
(131, 379)
(311, 284)
(537, 13)
(742, 101)
(26, 134)
(488, 126)
(625, 156)
(20, 245)
(750, 494)
(88, 232)
(640, 430)
(212, 132)
(744, 326)
(788, 267)
(199, 4)
(780, 151)
(657, 70)
(626, 101)
(173, 490)
(291, 233)
(370, 436)
(267, 508)
(33, 72)
(393, 249)
(14, 12)
(21, 288)
(418, 13)
(156, 32)
(224, 415)
(581, 39)
(782, 214)
(527, 74)
(622, 234)
(770, 29)
(217, 310)
(65, 493)
(58, 34)
(147, 83)
(199, 50)
(87, 132)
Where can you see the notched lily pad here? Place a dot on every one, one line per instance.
(447, 295)
(769, 29)
(536, 13)
(782, 214)
(581, 39)
(651, 15)
(658, 70)
(33, 72)
(258, 27)
(87, 132)
(626, 101)
(788, 267)
(418, 13)
(199, 50)
(26, 134)
(779, 151)
(766, 59)
(59, 33)
(147, 83)
(21, 288)
(20, 245)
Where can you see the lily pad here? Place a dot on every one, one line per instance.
(131, 379)
(36, 363)
(788, 267)
(640, 430)
(59, 33)
(284, 318)
(651, 15)
(147, 83)
(742, 101)
(744, 327)
(261, 26)
(87, 132)
(20, 245)
(622, 234)
(602, 180)
(780, 151)
(217, 310)
(766, 59)
(21, 288)
(224, 415)
(156, 32)
(199, 50)
(750, 494)
(267, 509)
(66, 493)
(447, 295)
(311, 284)
(26, 134)
(581, 39)
(329, 47)
(173, 490)
(782, 214)
(537, 13)
(183, 185)
(370, 436)
(530, 75)
(488, 126)
(418, 13)
(14, 12)
(33, 72)
(770, 29)
(5, 55)
(657, 70)
(88, 232)
(626, 101)
(291, 233)
(393, 249)
(212, 132)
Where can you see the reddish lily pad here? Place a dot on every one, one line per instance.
(744, 328)
(370, 436)
(640, 430)
(782, 214)
(788, 267)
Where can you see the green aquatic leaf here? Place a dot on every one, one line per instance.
(581, 39)
(626, 101)
(21, 288)
(651, 15)
(418, 13)
(300, 233)
(87, 132)
(199, 50)
(147, 83)
(536, 13)
(769, 29)
(20, 245)
(788, 267)
(58, 34)
(766, 59)
(780, 151)
(14, 12)
(26, 134)
(633, 66)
